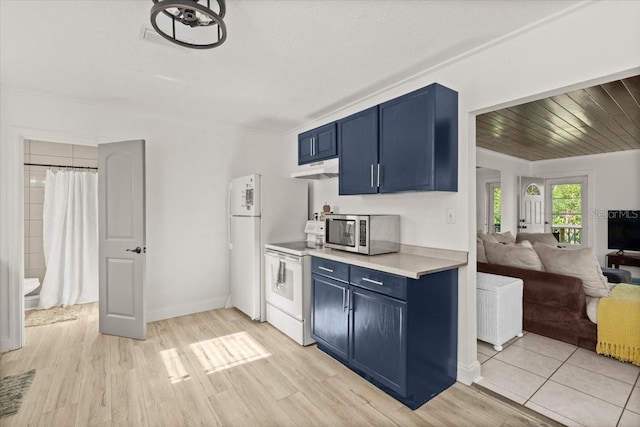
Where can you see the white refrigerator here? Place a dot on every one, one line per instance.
(262, 209)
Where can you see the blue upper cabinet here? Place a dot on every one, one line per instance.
(415, 145)
(317, 144)
(419, 141)
(358, 146)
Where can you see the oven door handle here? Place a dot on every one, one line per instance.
(281, 255)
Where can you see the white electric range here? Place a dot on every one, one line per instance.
(288, 284)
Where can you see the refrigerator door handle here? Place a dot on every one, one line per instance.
(229, 217)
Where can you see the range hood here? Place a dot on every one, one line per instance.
(318, 170)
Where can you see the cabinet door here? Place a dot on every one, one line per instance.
(378, 330)
(325, 142)
(305, 147)
(406, 142)
(329, 319)
(358, 146)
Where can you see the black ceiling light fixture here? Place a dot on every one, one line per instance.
(193, 15)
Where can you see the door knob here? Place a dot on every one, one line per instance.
(136, 250)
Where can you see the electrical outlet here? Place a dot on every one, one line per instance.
(451, 216)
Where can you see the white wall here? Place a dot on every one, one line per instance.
(189, 166)
(547, 59)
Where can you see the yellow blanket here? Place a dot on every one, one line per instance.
(619, 324)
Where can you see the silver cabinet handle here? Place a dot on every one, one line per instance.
(378, 175)
(325, 269)
(375, 282)
(311, 146)
(371, 175)
(348, 300)
(344, 305)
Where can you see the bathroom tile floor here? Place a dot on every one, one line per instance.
(574, 386)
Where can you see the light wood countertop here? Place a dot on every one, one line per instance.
(411, 261)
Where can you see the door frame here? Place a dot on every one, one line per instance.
(12, 220)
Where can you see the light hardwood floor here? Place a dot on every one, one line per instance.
(214, 368)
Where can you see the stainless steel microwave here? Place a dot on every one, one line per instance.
(364, 234)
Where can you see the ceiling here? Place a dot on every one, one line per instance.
(284, 64)
(598, 119)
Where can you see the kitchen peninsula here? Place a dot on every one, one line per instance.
(391, 318)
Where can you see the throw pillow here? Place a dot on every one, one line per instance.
(592, 308)
(546, 238)
(482, 256)
(487, 237)
(513, 255)
(506, 237)
(581, 263)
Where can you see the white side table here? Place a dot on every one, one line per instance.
(499, 308)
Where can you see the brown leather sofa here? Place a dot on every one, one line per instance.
(553, 305)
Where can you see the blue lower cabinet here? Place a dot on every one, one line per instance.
(406, 343)
(378, 342)
(329, 319)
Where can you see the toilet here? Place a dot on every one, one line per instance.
(30, 285)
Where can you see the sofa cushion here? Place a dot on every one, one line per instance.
(482, 256)
(506, 237)
(581, 263)
(513, 255)
(487, 237)
(546, 238)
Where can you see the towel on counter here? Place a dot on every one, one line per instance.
(282, 272)
(619, 324)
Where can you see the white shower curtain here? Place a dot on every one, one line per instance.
(70, 234)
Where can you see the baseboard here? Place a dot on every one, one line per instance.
(5, 345)
(468, 374)
(184, 309)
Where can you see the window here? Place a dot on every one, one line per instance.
(532, 190)
(495, 212)
(568, 204)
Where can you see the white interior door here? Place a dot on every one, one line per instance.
(122, 239)
(246, 265)
(531, 215)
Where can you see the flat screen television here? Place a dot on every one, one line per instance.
(624, 230)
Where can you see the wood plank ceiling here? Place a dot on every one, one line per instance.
(599, 119)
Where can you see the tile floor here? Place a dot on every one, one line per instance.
(574, 386)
